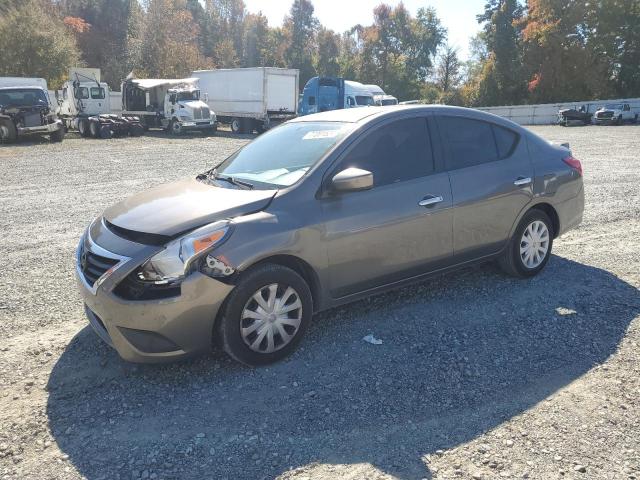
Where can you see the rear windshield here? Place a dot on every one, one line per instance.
(23, 97)
(283, 155)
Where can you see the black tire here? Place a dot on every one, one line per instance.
(236, 125)
(136, 130)
(8, 132)
(58, 135)
(83, 127)
(511, 261)
(229, 325)
(635, 119)
(105, 132)
(174, 128)
(94, 129)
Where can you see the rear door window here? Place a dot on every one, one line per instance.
(474, 142)
(394, 152)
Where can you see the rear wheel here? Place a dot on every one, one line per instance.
(83, 127)
(236, 125)
(530, 247)
(266, 315)
(94, 129)
(58, 135)
(105, 132)
(8, 132)
(135, 130)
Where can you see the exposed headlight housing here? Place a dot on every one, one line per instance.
(173, 263)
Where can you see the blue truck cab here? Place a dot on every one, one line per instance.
(322, 94)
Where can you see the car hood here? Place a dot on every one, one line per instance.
(182, 206)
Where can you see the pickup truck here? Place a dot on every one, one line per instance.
(615, 114)
(582, 115)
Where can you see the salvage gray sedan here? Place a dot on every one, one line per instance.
(321, 211)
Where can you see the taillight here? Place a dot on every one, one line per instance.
(573, 163)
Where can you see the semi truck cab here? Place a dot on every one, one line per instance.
(322, 94)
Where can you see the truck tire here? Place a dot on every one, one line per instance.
(105, 132)
(8, 132)
(136, 130)
(83, 127)
(635, 119)
(236, 125)
(58, 135)
(174, 128)
(94, 129)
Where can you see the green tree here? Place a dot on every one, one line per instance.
(36, 43)
(256, 40)
(448, 69)
(501, 79)
(326, 62)
(300, 28)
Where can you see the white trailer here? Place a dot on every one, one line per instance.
(251, 98)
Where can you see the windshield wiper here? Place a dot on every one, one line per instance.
(233, 181)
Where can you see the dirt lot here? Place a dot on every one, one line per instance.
(479, 375)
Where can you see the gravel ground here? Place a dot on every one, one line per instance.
(478, 375)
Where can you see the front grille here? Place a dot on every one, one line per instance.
(201, 113)
(605, 115)
(94, 266)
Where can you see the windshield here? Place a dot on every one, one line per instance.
(186, 96)
(613, 106)
(24, 97)
(283, 155)
(363, 100)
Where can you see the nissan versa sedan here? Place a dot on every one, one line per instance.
(320, 211)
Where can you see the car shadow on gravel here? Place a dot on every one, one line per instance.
(461, 354)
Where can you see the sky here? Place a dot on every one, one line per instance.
(458, 16)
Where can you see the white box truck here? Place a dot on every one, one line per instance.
(251, 98)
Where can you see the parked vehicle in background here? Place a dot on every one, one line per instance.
(250, 99)
(26, 110)
(380, 98)
(615, 114)
(84, 105)
(322, 94)
(321, 211)
(581, 116)
(171, 104)
(411, 102)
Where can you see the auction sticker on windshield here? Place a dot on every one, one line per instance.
(318, 134)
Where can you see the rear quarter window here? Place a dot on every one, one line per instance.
(506, 141)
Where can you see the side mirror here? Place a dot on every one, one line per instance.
(352, 180)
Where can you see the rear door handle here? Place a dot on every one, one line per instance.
(430, 200)
(521, 181)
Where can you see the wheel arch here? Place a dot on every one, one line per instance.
(551, 212)
(301, 267)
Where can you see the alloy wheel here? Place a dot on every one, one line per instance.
(534, 244)
(271, 318)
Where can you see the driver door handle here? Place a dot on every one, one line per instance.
(430, 200)
(521, 181)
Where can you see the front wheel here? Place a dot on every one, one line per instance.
(8, 132)
(530, 247)
(175, 128)
(266, 315)
(236, 125)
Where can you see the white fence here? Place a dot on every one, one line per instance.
(547, 114)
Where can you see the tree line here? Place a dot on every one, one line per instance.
(533, 52)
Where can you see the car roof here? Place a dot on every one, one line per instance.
(367, 114)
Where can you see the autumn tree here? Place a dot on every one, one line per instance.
(36, 43)
(170, 41)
